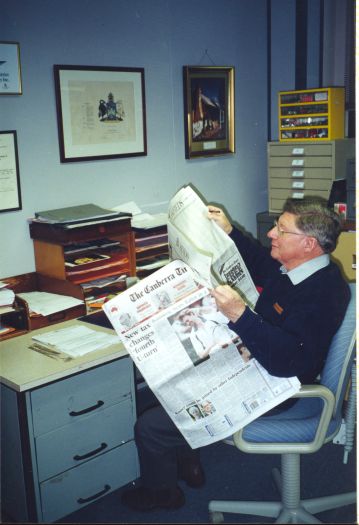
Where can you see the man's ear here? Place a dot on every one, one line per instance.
(310, 244)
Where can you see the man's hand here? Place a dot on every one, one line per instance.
(217, 215)
(229, 302)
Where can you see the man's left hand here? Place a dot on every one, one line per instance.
(229, 302)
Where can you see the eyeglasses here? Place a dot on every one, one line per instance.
(281, 232)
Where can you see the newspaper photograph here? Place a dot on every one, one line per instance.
(196, 366)
(204, 246)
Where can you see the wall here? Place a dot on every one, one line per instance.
(161, 36)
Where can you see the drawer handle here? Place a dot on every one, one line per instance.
(86, 410)
(92, 453)
(91, 498)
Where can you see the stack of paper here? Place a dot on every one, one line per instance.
(142, 220)
(75, 341)
(45, 303)
(7, 296)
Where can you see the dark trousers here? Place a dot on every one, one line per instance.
(160, 448)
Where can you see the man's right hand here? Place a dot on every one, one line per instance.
(218, 215)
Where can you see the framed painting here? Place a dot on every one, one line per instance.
(10, 69)
(101, 112)
(208, 110)
(10, 194)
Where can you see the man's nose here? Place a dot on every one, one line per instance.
(272, 234)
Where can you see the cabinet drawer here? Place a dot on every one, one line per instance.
(298, 163)
(72, 445)
(77, 487)
(297, 185)
(75, 397)
(300, 173)
(287, 150)
(276, 205)
(297, 194)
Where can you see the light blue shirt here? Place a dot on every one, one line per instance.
(301, 272)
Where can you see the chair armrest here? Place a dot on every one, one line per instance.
(319, 391)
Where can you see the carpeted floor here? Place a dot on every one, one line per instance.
(234, 475)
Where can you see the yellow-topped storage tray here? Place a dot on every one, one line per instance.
(311, 114)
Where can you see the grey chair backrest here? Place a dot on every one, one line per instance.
(341, 354)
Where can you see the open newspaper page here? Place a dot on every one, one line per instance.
(195, 365)
(204, 246)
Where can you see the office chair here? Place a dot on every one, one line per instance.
(302, 429)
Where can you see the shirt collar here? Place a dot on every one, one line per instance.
(301, 272)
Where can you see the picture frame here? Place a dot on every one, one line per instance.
(208, 110)
(101, 112)
(10, 192)
(10, 69)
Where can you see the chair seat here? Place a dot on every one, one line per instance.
(297, 424)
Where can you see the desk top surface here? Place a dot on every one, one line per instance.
(23, 369)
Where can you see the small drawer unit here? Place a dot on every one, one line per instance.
(311, 114)
(80, 443)
(305, 169)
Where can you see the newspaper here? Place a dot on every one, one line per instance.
(197, 367)
(204, 246)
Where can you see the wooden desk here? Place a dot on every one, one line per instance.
(67, 428)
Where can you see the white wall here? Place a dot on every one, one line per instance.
(161, 36)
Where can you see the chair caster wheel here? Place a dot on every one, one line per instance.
(216, 517)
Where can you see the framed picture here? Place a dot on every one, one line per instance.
(208, 110)
(10, 194)
(101, 112)
(10, 69)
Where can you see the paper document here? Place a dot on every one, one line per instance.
(140, 219)
(45, 303)
(75, 341)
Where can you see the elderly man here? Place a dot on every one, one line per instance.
(301, 306)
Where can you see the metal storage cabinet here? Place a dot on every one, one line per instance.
(304, 169)
(67, 443)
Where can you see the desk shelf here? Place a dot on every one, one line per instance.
(86, 254)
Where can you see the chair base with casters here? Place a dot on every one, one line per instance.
(304, 428)
(291, 509)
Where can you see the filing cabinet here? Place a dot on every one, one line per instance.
(302, 169)
(73, 443)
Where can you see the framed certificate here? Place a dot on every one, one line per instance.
(10, 194)
(101, 112)
(10, 69)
